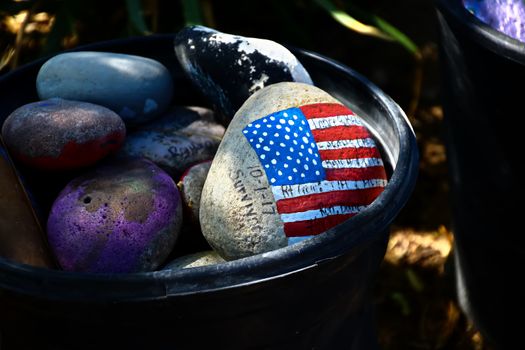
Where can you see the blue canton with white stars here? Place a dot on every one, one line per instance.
(286, 148)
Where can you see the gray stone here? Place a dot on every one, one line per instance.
(195, 260)
(293, 164)
(182, 137)
(238, 214)
(137, 88)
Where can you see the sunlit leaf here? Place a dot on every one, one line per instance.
(379, 28)
(192, 12)
(396, 34)
(350, 22)
(6, 57)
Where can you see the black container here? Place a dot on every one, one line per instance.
(483, 98)
(315, 294)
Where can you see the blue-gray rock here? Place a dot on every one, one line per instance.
(229, 68)
(182, 137)
(137, 88)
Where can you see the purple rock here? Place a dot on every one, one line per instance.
(119, 218)
(506, 16)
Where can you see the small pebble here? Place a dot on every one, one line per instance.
(195, 260)
(190, 186)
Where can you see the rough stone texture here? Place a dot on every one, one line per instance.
(506, 16)
(182, 137)
(238, 215)
(137, 88)
(120, 218)
(229, 68)
(190, 186)
(60, 134)
(195, 260)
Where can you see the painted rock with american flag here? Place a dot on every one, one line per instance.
(293, 163)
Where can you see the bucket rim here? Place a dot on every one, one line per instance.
(62, 285)
(488, 37)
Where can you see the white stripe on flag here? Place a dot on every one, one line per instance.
(292, 191)
(321, 213)
(340, 120)
(338, 144)
(352, 163)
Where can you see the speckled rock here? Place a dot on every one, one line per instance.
(190, 186)
(137, 88)
(182, 137)
(506, 16)
(293, 163)
(195, 260)
(58, 134)
(120, 218)
(229, 68)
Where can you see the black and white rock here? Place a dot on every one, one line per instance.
(229, 68)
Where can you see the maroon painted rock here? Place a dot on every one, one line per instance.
(120, 218)
(190, 185)
(182, 137)
(58, 134)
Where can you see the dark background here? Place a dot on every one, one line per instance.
(415, 298)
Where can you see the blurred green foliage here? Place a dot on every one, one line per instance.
(82, 21)
(358, 33)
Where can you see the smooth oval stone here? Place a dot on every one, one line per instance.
(137, 88)
(190, 185)
(182, 137)
(293, 163)
(506, 16)
(58, 134)
(229, 68)
(195, 260)
(120, 218)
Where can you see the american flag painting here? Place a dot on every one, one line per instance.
(321, 163)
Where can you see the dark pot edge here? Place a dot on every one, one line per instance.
(481, 32)
(40, 282)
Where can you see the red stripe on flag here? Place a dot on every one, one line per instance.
(349, 153)
(322, 110)
(340, 133)
(328, 199)
(313, 227)
(355, 174)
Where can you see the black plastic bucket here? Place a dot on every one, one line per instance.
(315, 294)
(483, 76)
